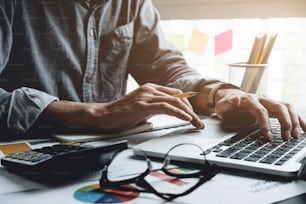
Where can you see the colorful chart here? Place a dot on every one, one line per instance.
(93, 194)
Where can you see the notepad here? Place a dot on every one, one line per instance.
(157, 122)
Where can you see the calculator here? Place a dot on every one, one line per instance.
(62, 157)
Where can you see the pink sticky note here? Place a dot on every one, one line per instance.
(223, 42)
(198, 42)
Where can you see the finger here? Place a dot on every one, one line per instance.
(226, 104)
(159, 90)
(302, 123)
(156, 89)
(182, 104)
(165, 89)
(280, 111)
(295, 131)
(184, 100)
(251, 104)
(178, 103)
(167, 108)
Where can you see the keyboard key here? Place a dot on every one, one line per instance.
(255, 148)
(239, 155)
(227, 152)
(269, 159)
(252, 158)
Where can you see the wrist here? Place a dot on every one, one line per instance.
(226, 92)
(67, 113)
(218, 91)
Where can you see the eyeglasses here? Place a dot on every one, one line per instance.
(172, 180)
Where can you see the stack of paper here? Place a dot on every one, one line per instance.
(259, 55)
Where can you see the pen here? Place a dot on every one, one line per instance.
(186, 94)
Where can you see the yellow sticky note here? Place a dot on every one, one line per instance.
(13, 148)
(198, 42)
(178, 40)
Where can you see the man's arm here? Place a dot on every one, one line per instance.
(123, 113)
(19, 108)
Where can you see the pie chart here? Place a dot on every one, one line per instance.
(93, 194)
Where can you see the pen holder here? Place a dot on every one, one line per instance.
(252, 77)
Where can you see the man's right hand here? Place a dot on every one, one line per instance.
(126, 112)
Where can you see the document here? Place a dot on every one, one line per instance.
(227, 188)
(157, 122)
(223, 188)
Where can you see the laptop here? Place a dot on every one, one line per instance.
(244, 150)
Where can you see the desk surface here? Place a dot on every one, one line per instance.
(232, 188)
(301, 199)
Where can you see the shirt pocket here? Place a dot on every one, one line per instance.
(116, 45)
(115, 48)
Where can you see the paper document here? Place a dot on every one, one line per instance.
(157, 122)
(234, 189)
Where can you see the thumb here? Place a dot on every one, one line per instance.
(227, 104)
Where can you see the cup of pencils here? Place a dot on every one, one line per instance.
(257, 63)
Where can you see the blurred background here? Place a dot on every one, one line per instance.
(214, 33)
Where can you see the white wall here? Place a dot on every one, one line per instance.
(197, 9)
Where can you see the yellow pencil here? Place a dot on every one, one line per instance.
(186, 94)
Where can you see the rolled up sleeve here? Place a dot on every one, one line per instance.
(20, 108)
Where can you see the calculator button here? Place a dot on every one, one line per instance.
(36, 156)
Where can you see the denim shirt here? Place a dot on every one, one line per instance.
(80, 50)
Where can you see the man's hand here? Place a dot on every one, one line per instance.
(126, 112)
(261, 108)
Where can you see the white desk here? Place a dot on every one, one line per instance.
(223, 188)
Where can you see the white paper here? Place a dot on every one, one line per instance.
(11, 183)
(157, 122)
(223, 188)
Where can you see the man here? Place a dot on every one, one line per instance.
(65, 63)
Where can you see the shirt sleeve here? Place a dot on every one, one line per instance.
(155, 60)
(19, 108)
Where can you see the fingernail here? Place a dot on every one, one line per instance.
(200, 124)
(269, 136)
(296, 132)
(187, 117)
(286, 135)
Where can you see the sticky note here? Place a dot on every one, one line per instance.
(13, 148)
(198, 42)
(223, 42)
(178, 40)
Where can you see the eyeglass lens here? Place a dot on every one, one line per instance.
(123, 168)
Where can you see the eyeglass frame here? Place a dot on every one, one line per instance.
(205, 174)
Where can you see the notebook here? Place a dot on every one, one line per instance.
(243, 150)
(157, 122)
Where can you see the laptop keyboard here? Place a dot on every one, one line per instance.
(255, 148)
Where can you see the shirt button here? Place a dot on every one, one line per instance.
(89, 78)
(91, 32)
